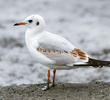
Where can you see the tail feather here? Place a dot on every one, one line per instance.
(98, 63)
(95, 63)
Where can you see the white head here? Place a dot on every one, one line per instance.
(34, 22)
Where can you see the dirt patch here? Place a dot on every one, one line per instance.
(62, 91)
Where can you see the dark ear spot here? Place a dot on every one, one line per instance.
(37, 23)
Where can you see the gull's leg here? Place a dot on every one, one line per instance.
(48, 81)
(54, 72)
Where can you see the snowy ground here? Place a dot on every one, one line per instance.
(84, 22)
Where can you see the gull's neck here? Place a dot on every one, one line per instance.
(31, 34)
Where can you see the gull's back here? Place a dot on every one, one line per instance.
(52, 41)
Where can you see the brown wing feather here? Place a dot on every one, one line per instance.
(80, 53)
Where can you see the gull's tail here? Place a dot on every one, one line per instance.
(98, 63)
(95, 63)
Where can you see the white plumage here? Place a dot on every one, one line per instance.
(37, 37)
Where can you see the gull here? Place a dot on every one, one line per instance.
(54, 51)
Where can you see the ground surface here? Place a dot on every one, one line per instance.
(90, 91)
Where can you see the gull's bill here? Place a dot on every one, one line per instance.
(20, 23)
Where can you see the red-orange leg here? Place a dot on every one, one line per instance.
(48, 82)
(54, 71)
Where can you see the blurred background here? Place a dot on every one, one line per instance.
(86, 23)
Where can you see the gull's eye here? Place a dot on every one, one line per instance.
(30, 21)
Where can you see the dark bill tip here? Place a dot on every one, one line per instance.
(15, 24)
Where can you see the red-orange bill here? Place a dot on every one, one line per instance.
(19, 23)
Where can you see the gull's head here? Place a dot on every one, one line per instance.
(33, 22)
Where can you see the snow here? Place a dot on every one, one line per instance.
(84, 22)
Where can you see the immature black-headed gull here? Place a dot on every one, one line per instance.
(52, 50)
